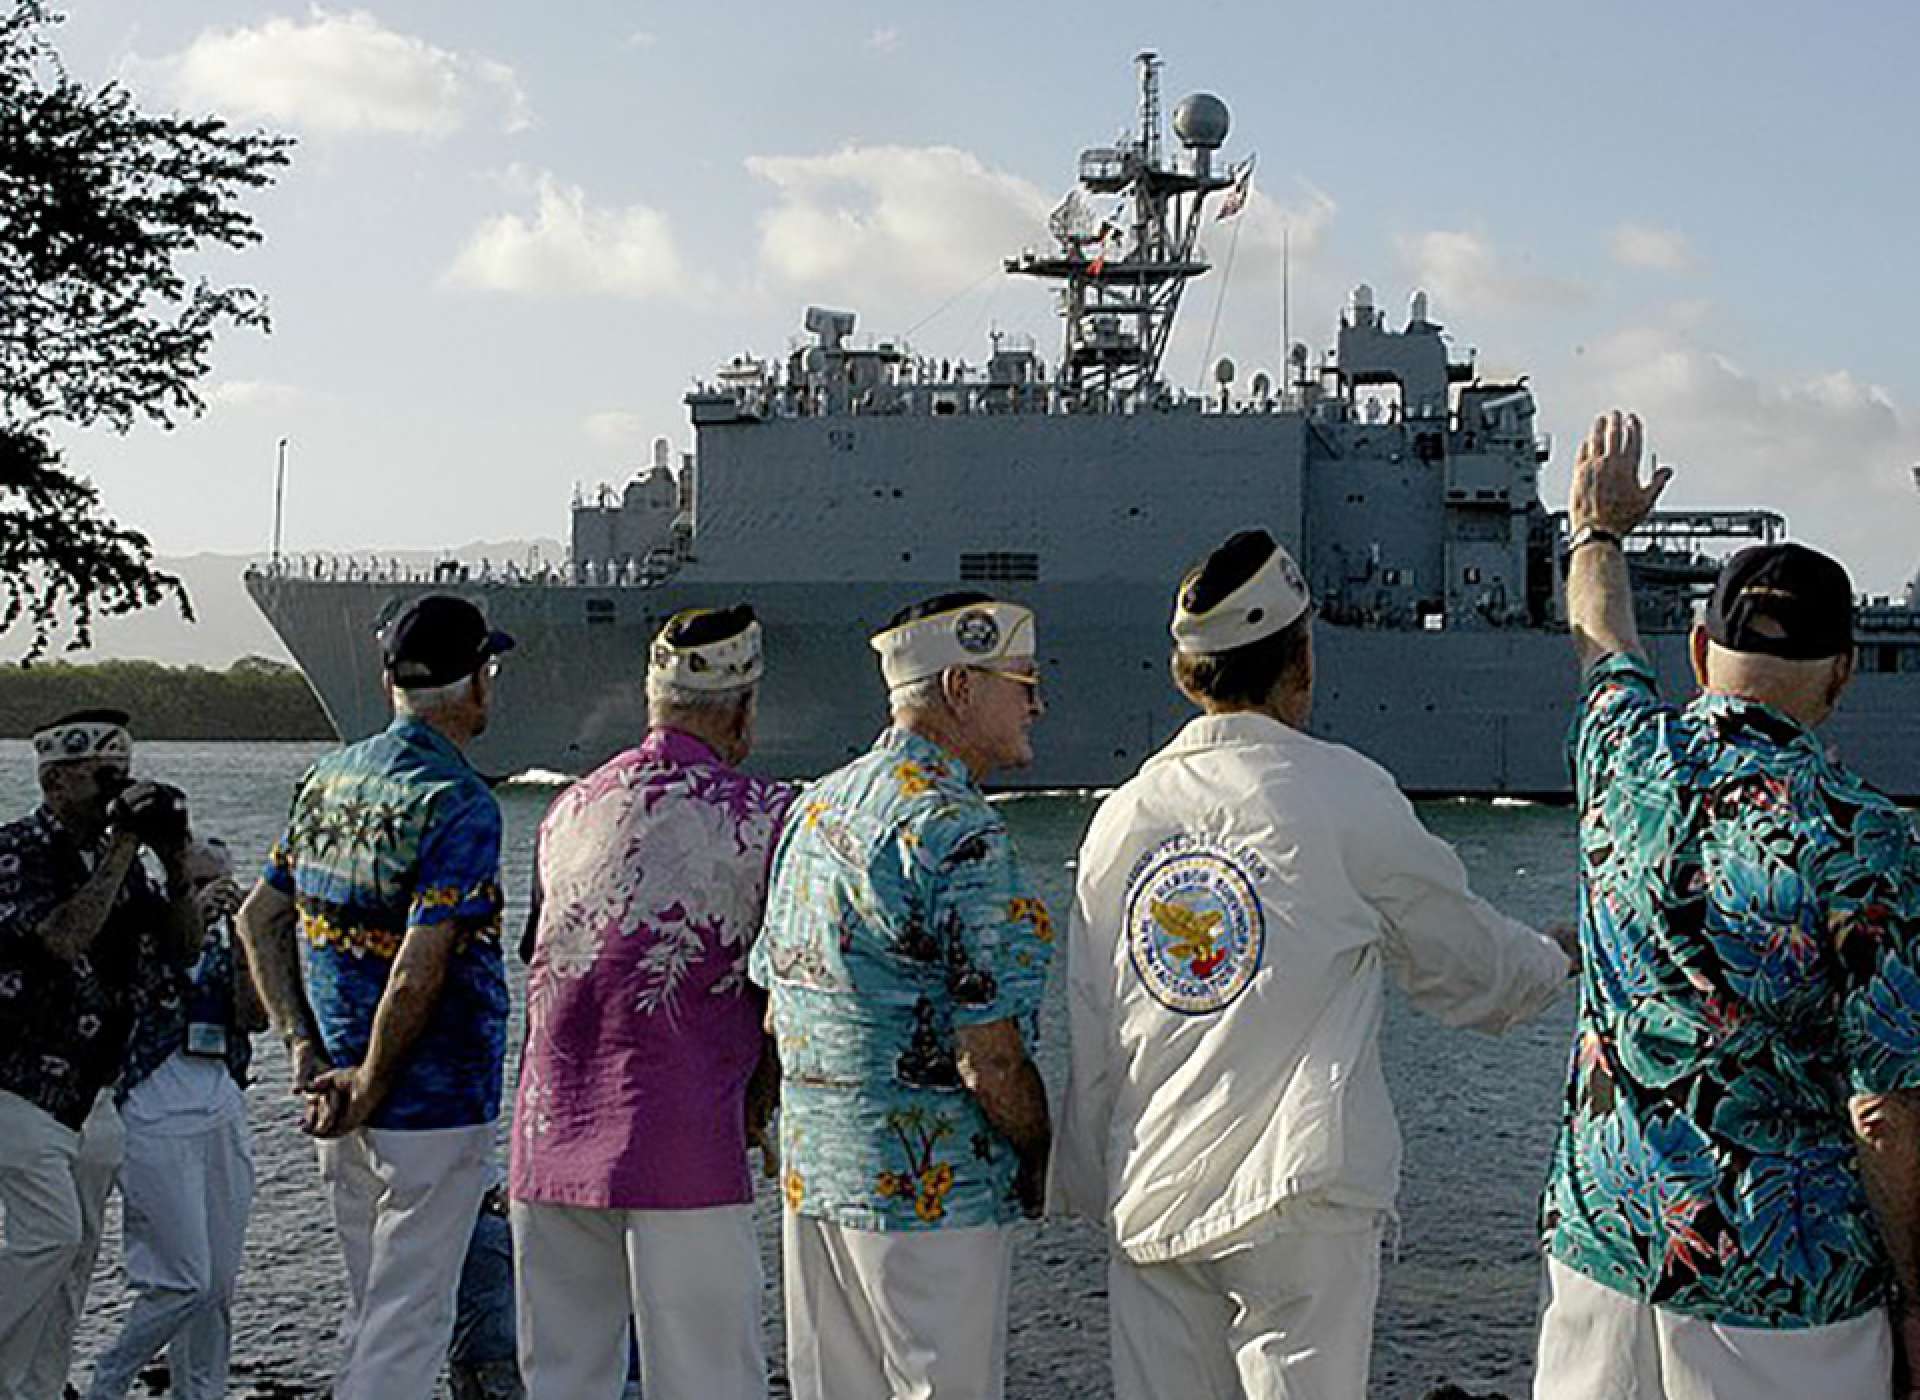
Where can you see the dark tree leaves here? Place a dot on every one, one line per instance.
(99, 204)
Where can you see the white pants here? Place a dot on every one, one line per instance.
(404, 1204)
(689, 1279)
(54, 1185)
(896, 1315)
(1599, 1344)
(1290, 1318)
(186, 1196)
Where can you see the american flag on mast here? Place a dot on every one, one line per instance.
(1236, 196)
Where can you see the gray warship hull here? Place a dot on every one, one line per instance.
(1481, 714)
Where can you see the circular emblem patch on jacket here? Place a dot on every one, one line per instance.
(1195, 930)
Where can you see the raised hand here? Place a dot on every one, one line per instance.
(1607, 491)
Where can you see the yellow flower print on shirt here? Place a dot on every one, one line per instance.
(1033, 913)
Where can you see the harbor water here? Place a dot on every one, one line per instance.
(1460, 1284)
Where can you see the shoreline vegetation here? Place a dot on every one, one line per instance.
(253, 699)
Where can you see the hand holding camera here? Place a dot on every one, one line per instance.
(154, 814)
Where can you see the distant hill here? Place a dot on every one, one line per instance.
(226, 625)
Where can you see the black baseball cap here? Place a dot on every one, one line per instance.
(1782, 600)
(438, 640)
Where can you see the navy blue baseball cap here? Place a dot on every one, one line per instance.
(437, 640)
(1782, 600)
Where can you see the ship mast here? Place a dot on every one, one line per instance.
(1121, 284)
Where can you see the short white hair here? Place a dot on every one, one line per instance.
(664, 696)
(429, 699)
(927, 693)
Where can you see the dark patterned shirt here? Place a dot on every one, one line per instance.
(203, 996)
(896, 913)
(64, 1025)
(1750, 925)
(393, 833)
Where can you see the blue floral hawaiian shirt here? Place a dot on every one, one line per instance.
(64, 1024)
(393, 833)
(896, 913)
(200, 996)
(1750, 926)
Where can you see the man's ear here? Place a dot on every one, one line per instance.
(1697, 641)
(956, 684)
(1842, 677)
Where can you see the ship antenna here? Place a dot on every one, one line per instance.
(279, 498)
(1286, 282)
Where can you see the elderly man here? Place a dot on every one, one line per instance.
(631, 1193)
(905, 960)
(1744, 1094)
(1240, 904)
(390, 873)
(188, 1178)
(85, 938)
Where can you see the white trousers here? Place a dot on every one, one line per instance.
(1599, 1344)
(54, 1185)
(404, 1204)
(689, 1279)
(1290, 1318)
(896, 1315)
(186, 1198)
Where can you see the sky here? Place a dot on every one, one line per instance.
(512, 234)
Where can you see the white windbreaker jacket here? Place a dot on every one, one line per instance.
(1237, 903)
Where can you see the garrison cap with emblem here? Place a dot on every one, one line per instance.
(1246, 590)
(84, 734)
(958, 629)
(710, 649)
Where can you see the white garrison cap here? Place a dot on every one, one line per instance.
(88, 734)
(971, 634)
(1247, 589)
(708, 649)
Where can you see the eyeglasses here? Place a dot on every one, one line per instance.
(1031, 682)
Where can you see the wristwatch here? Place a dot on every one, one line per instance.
(1592, 534)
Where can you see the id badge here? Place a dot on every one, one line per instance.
(205, 1038)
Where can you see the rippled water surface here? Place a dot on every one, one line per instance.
(1457, 1298)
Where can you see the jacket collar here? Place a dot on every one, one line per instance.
(1241, 727)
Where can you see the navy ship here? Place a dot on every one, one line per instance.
(831, 485)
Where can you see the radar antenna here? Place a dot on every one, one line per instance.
(1121, 287)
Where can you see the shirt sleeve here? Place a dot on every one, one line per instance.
(458, 878)
(997, 939)
(1873, 926)
(1618, 704)
(26, 895)
(1077, 1170)
(278, 869)
(1457, 957)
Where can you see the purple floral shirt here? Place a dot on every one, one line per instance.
(642, 1030)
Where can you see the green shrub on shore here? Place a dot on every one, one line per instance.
(252, 699)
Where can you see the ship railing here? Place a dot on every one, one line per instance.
(355, 568)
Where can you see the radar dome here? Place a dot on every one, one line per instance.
(1201, 121)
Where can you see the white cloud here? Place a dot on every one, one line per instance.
(1463, 269)
(642, 39)
(1830, 450)
(931, 218)
(569, 247)
(1654, 249)
(255, 393)
(884, 40)
(615, 428)
(341, 72)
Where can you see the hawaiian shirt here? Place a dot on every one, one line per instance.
(203, 996)
(897, 913)
(64, 1025)
(642, 1030)
(394, 833)
(1750, 928)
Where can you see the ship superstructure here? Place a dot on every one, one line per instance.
(831, 485)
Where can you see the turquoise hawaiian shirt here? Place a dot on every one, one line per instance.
(1750, 926)
(397, 832)
(896, 913)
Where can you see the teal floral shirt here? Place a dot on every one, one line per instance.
(896, 913)
(1750, 927)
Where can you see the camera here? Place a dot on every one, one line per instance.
(155, 814)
